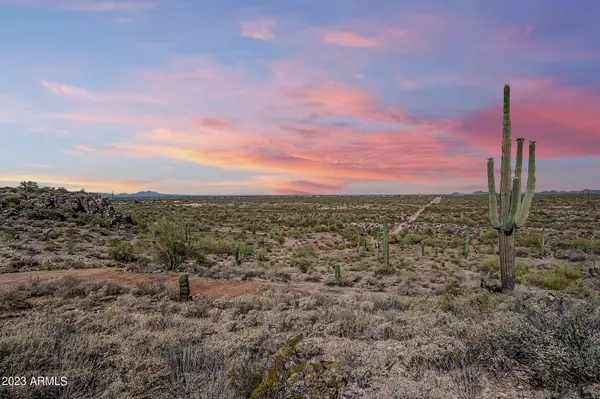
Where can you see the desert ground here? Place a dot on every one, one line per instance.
(95, 299)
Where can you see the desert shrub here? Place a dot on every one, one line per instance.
(490, 264)
(279, 237)
(169, 242)
(456, 242)
(321, 228)
(384, 271)
(201, 307)
(413, 238)
(523, 251)
(240, 236)
(150, 289)
(262, 255)
(303, 264)
(582, 244)
(390, 303)
(210, 245)
(559, 344)
(557, 278)
(245, 250)
(197, 368)
(596, 247)
(444, 353)
(94, 219)
(14, 299)
(350, 232)
(305, 250)
(434, 242)
(120, 250)
(29, 186)
(140, 220)
(69, 287)
(46, 214)
(112, 289)
(530, 240)
(489, 237)
(253, 227)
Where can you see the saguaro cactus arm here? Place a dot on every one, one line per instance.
(514, 205)
(493, 202)
(524, 212)
(518, 169)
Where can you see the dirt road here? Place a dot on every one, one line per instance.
(198, 285)
(414, 217)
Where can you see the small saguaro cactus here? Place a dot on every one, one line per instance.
(338, 274)
(467, 240)
(513, 212)
(422, 249)
(238, 259)
(184, 288)
(544, 243)
(386, 243)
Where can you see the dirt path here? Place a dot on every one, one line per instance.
(414, 217)
(199, 285)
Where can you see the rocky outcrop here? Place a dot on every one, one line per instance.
(70, 202)
(89, 203)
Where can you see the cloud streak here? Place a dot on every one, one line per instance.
(95, 6)
(262, 28)
(350, 39)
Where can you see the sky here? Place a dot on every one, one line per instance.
(296, 96)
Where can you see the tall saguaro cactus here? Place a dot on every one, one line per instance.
(513, 211)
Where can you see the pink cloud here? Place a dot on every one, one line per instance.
(332, 99)
(414, 32)
(562, 118)
(343, 154)
(350, 39)
(262, 28)
(301, 187)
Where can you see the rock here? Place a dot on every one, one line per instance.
(78, 202)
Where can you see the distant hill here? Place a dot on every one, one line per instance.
(142, 194)
(586, 191)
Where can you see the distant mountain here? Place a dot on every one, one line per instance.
(586, 191)
(142, 194)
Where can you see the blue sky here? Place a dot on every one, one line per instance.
(241, 97)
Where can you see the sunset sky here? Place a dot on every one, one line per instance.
(295, 96)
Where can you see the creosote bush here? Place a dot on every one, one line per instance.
(559, 277)
(120, 250)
